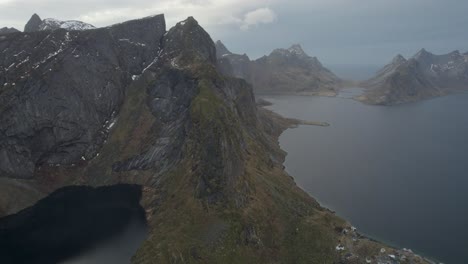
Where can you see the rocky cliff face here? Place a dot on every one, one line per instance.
(50, 115)
(284, 71)
(425, 75)
(35, 23)
(132, 103)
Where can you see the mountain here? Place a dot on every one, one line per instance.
(423, 76)
(284, 71)
(221, 50)
(35, 23)
(235, 65)
(135, 104)
(6, 30)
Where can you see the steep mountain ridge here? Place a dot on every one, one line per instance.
(425, 75)
(284, 71)
(214, 186)
(50, 114)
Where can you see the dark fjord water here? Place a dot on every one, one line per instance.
(399, 174)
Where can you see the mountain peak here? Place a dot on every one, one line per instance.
(190, 21)
(294, 50)
(188, 37)
(221, 49)
(297, 49)
(33, 23)
(398, 59)
(423, 53)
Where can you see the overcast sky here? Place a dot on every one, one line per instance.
(336, 31)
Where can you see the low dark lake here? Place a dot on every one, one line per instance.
(399, 174)
(76, 225)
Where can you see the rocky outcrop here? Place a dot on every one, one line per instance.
(423, 76)
(6, 30)
(35, 23)
(284, 71)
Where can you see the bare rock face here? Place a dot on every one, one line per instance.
(33, 24)
(49, 113)
(423, 76)
(284, 71)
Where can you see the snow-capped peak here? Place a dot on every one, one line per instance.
(53, 24)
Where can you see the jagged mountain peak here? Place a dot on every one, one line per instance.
(188, 38)
(399, 59)
(221, 49)
(297, 49)
(189, 22)
(423, 53)
(33, 23)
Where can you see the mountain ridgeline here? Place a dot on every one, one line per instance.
(136, 104)
(284, 71)
(7, 30)
(35, 23)
(423, 76)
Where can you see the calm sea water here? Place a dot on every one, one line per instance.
(399, 174)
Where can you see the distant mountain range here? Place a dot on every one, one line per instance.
(35, 23)
(7, 30)
(284, 71)
(423, 76)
